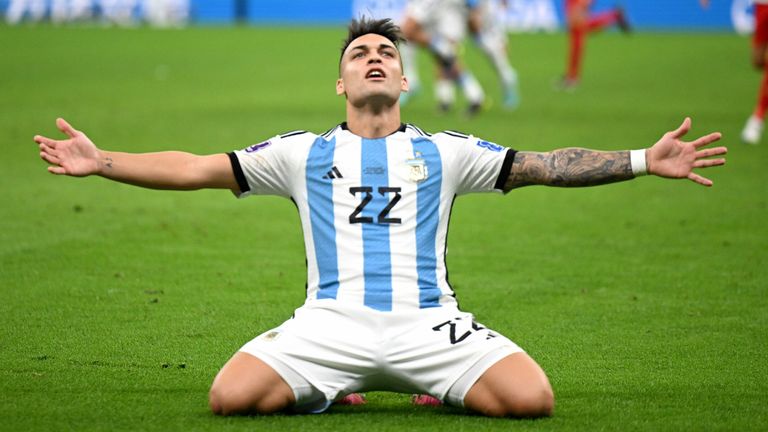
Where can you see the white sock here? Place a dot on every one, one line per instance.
(471, 87)
(444, 92)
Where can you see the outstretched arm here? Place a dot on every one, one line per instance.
(77, 156)
(670, 157)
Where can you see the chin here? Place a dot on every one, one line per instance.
(376, 97)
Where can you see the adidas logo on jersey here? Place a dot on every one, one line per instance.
(334, 173)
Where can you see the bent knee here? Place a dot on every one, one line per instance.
(538, 404)
(531, 404)
(227, 402)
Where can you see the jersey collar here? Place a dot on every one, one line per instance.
(343, 126)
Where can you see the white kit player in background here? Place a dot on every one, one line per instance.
(166, 13)
(487, 21)
(60, 10)
(440, 26)
(374, 196)
(158, 13)
(119, 12)
(127, 13)
(18, 9)
(71, 10)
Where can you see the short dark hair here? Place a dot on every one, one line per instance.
(363, 26)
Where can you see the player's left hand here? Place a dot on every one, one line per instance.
(671, 157)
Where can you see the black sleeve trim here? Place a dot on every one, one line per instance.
(456, 134)
(292, 133)
(506, 168)
(238, 171)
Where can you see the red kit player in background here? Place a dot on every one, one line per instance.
(580, 24)
(753, 130)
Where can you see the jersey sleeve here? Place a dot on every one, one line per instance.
(479, 165)
(266, 168)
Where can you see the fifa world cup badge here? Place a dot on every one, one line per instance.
(418, 168)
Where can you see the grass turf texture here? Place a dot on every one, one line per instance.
(644, 301)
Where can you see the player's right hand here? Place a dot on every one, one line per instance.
(76, 156)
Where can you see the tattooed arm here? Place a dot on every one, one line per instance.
(670, 157)
(569, 167)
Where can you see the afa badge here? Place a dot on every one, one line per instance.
(418, 171)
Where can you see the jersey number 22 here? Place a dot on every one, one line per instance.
(367, 196)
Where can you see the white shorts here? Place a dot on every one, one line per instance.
(446, 18)
(328, 350)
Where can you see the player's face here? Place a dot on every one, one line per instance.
(370, 68)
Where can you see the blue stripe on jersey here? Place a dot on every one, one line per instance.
(377, 262)
(320, 202)
(427, 218)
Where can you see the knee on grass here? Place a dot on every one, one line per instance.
(227, 402)
(531, 404)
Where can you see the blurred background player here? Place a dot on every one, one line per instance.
(753, 130)
(486, 21)
(71, 10)
(120, 12)
(161, 13)
(18, 9)
(440, 26)
(166, 13)
(580, 24)
(488, 25)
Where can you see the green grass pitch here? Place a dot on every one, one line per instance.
(646, 301)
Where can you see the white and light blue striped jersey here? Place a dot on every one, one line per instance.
(374, 211)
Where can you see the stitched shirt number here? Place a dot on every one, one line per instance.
(366, 193)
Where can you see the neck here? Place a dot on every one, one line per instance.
(373, 122)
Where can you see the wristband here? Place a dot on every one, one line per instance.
(637, 160)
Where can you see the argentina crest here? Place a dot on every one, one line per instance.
(418, 171)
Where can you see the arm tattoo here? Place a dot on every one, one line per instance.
(570, 167)
(109, 162)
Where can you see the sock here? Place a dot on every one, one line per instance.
(444, 92)
(762, 99)
(471, 87)
(576, 51)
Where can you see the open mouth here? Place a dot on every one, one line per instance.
(375, 74)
